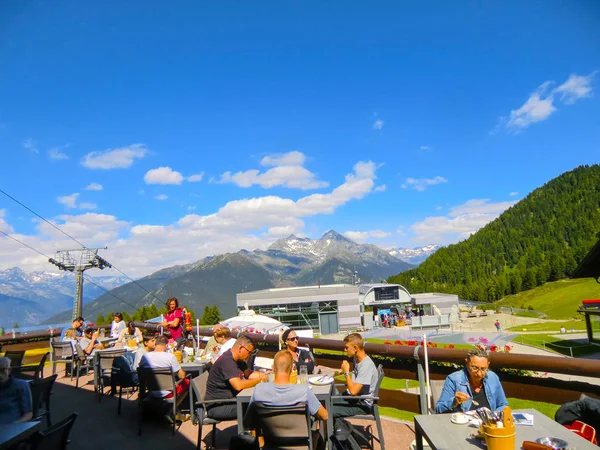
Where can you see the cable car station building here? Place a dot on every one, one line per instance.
(325, 309)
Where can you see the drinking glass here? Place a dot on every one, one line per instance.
(303, 375)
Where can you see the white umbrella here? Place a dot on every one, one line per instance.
(249, 321)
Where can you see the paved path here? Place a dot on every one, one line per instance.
(99, 427)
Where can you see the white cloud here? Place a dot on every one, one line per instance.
(575, 87)
(70, 201)
(288, 172)
(191, 208)
(163, 175)
(85, 205)
(161, 197)
(513, 194)
(30, 145)
(117, 158)
(57, 154)
(380, 188)
(460, 223)
(424, 148)
(144, 248)
(540, 104)
(361, 236)
(420, 184)
(4, 226)
(195, 178)
(378, 124)
(94, 187)
(294, 158)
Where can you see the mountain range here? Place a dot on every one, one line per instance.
(414, 255)
(29, 298)
(215, 280)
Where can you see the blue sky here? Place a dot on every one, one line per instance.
(174, 131)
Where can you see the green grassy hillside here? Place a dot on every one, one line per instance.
(558, 299)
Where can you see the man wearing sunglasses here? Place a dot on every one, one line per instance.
(228, 376)
(473, 387)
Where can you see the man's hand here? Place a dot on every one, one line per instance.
(264, 376)
(345, 366)
(461, 397)
(95, 335)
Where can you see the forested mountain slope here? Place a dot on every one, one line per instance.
(541, 238)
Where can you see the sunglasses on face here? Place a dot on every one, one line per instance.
(295, 338)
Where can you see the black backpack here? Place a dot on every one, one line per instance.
(346, 437)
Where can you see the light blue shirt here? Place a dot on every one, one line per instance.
(285, 395)
(459, 382)
(15, 400)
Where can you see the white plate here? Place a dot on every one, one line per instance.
(459, 418)
(321, 380)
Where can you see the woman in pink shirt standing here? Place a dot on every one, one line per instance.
(172, 320)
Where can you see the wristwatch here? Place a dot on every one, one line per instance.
(346, 374)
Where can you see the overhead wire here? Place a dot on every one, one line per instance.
(74, 239)
(85, 278)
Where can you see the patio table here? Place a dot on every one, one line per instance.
(14, 433)
(442, 434)
(322, 392)
(196, 366)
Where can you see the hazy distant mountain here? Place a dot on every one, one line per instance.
(30, 297)
(292, 261)
(414, 255)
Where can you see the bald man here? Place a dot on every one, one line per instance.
(282, 393)
(15, 396)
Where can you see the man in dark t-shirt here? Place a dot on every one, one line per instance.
(228, 376)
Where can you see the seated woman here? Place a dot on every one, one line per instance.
(224, 339)
(473, 387)
(301, 357)
(130, 330)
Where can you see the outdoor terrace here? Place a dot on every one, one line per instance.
(98, 424)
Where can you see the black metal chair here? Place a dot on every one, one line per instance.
(282, 427)
(16, 359)
(32, 371)
(56, 437)
(103, 362)
(374, 415)
(199, 404)
(155, 380)
(41, 390)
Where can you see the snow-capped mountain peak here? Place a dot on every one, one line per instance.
(414, 255)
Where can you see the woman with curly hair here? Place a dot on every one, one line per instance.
(172, 319)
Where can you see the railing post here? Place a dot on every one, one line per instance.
(51, 352)
(421, 378)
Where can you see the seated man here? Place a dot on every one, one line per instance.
(159, 359)
(228, 376)
(74, 328)
(15, 396)
(89, 342)
(149, 344)
(472, 387)
(362, 380)
(282, 393)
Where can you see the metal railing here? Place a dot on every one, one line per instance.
(406, 362)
